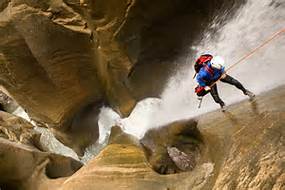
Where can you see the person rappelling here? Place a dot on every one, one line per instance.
(209, 70)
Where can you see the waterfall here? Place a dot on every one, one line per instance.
(231, 38)
(248, 28)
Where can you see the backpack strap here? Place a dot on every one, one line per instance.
(201, 60)
(209, 70)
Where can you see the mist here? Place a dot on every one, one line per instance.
(255, 22)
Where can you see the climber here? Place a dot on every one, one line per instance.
(209, 69)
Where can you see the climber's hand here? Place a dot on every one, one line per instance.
(207, 88)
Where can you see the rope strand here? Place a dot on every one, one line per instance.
(252, 52)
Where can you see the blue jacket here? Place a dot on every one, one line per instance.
(208, 74)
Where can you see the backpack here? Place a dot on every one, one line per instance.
(200, 62)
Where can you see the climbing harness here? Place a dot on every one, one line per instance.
(246, 56)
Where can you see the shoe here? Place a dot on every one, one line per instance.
(249, 94)
(222, 104)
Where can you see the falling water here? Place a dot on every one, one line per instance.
(251, 26)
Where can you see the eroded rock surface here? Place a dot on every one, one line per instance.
(123, 165)
(242, 148)
(22, 163)
(174, 147)
(59, 57)
(17, 130)
(63, 59)
(6, 102)
(182, 160)
(250, 149)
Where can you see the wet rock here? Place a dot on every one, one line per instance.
(249, 151)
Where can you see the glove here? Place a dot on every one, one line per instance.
(223, 75)
(207, 88)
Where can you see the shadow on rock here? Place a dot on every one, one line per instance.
(22, 164)
(173, 148)
(82, 130)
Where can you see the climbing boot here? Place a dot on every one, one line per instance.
(249, 94)
(222, 104)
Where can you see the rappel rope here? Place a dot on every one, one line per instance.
(251, 53)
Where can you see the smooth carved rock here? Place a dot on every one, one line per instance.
(250, 152)
(58, 57)
(54, 70)
(19, 162)
(21, 158)
(123, 165)
(244, 151)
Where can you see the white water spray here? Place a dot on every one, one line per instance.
(253, 23)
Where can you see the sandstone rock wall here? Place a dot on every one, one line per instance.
(57, 56)
(250, 149)
(242, 148)
(22, 163)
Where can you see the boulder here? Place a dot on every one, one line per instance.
(182, 160)
(174, 147)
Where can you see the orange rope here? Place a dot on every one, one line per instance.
(252, 52)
